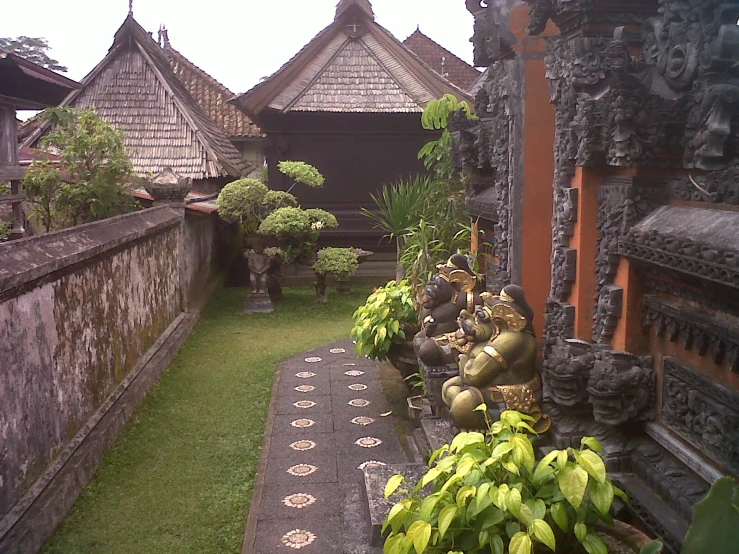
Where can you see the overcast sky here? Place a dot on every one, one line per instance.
(237, 42)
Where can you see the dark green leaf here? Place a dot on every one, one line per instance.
(559, 514)
(496, 544)
(593, 544)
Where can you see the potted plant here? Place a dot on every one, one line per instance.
(385, 325)
(487, 493)
(342, 263)
(297, 231)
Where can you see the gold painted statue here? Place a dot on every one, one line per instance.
(497, 362)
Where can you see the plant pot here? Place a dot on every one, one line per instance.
(403, 358)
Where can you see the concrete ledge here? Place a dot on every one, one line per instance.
(32, 520)
(26, 260)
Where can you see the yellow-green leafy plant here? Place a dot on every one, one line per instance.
(486, 493)
(387, 318)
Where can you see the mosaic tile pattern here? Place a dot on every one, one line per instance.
(350, 364)
(363, 420)
(370, 463)
(302, 423)
(357, 386)
(304, 404)
(313, 359)
(359, 403)
(305, 374)
(297, 538)
(354, 373)
(337, 350)
(368, 442)
(302, 470)
(299, 500)
(303, 445)
(305, 388)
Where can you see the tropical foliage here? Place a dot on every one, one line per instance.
(487, 493)
(93, 179)
(341, 262)
(383, 319)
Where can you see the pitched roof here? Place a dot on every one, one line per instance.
(442, 60)
(353, 65)
(212, 96)
(135, 89)
(29, 86)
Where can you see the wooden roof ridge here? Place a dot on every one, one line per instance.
(302, 65)
(131, 35)
(431, 52)
(233, 122)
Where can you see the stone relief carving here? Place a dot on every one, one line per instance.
(702, 411)
(622, 388)
(718, 187)
(570, 364)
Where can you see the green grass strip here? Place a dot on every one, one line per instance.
(180, 477)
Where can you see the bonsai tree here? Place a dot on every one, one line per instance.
(297, 230)
(248, 202)
(487, 493)
(340, 262)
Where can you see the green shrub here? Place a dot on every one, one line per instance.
(5, 228)
(301, 172)
(488, 494)
(380, 322)
(342, 262)
(285, 223)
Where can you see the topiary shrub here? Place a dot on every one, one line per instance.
(341, 262)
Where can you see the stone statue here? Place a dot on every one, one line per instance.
(259, 264)
(497, 364)
(450, 291)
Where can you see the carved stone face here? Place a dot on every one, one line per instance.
(476, 327)
(437, 292)
(485, 32)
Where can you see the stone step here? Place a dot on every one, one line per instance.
(375, 479)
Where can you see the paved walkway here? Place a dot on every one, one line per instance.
(326, 420)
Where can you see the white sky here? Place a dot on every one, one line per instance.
(237, 42)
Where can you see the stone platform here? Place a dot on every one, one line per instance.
(328, 419)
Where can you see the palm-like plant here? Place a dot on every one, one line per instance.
(399, 208)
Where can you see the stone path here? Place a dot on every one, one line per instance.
(325, 423)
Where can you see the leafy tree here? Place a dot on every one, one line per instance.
(92, 180)
(33, 49)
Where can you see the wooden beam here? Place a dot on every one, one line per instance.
(12, 172)
(12, 198)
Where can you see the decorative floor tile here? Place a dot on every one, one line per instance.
(337, 350)
(298, 538)
(371, 463)
(305, 388)
(354, 373)
(363, 420)
(305, 374)
(313, 359)
(303, 445)
(299, 500)
(368, 442)
(301, 470)
(350, 364)
(302, 423)
(357, 386)
(359, 403)
(305, 404)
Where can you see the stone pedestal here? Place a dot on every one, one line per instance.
(434, 378)
(258, 304)
(343, 286)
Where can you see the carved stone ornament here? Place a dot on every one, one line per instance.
(702, 411)
(622, 388)
(718, 187)
(493, 38)
(695, 330)
(570, 363)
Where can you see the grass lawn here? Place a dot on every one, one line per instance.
(180, 477)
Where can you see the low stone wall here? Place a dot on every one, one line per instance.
(200, 253)
(78, 310)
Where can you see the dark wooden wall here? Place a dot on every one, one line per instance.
(357, 153)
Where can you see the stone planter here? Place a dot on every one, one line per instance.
(403, 358)
(343, 286)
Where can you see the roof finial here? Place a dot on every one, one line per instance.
(163, 36)
(130, 7)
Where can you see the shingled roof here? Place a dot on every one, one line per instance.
(136, 90)
(212, 96)
(442, 60)
(354, 65)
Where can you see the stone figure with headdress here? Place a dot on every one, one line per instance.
(451, 290)
(497, 362)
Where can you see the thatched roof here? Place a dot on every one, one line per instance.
(354, 65)
(212, 96)
(135, 89)
(442, 60)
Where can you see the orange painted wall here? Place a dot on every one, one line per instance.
(585, 241)
(628, 334)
